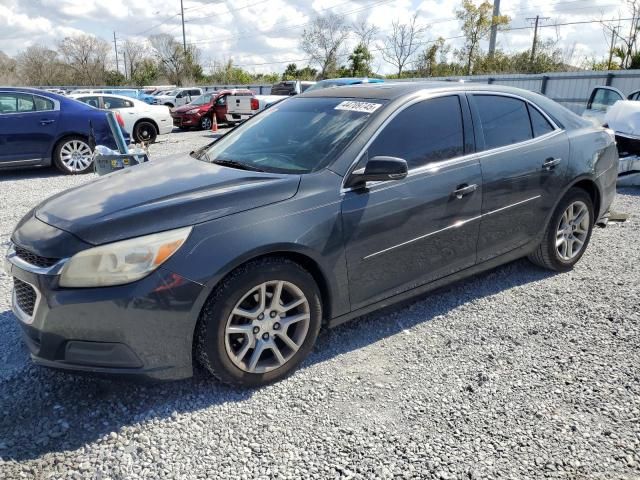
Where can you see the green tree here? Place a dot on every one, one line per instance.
(114, 78)
(476, 26)
(291, 72)
(146, 73)
(360, 59)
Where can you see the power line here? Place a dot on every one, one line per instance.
(448, 38)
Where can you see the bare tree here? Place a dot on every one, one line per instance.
(365, 32)
(134, 55)
(86, 56)
(8, 68)
(39, 65)
(403, 43)
(176, 64)
(324, 40)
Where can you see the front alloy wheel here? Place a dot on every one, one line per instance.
(259, 323)
(205, 123)
(267, 326)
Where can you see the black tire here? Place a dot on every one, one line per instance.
(205, 123)
(64, 166)
(145, 132)
(210, 331)
(546, 255)
(170, 105)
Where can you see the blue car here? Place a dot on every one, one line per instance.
(340, 82)
(39, 128)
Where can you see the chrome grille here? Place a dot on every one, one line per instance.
(25, 296)
(33, 259)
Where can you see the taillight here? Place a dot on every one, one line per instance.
(255, 104)
(119, 119)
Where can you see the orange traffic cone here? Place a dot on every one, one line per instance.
(214, 124)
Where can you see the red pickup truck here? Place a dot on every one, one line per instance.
(199, 113)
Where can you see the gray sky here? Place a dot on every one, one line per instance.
(263, 35)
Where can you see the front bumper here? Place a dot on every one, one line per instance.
(144, 328)
(186, 120)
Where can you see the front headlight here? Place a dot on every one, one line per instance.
(193, 111)
(122, 262)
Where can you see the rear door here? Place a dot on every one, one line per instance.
(28, 127)
(524, 157)
(126, 109)
(405, 233)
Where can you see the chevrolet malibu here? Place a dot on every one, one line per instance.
(318, 210)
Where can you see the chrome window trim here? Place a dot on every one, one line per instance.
(457, 224)
(56, 103)
(435, 166)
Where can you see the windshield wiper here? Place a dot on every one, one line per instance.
(238, 165)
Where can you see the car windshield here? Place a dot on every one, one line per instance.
(202, 99)
(299, 135)
(170, 93)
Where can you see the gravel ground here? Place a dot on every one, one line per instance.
(515, 373)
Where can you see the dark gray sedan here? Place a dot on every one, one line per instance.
(320, 209)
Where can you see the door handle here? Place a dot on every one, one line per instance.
(464, 189)
(551, 162)
(46, 122)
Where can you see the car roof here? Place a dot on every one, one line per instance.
(101, 94)
(396, 90)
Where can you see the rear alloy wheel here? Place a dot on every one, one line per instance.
(260, 323)
(145, 132)
(205, 123)
(567, 234)
(73, 155)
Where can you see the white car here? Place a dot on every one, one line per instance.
(243, 107)
(143, 121)
(178, 97)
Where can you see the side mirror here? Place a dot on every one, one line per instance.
(179, 95)
(379, 169)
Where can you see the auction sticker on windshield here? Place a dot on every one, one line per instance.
(352, 106)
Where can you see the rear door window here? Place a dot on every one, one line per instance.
(423, 133)
(113, 102)
(92, 101)
(504, 120)
(25, 103)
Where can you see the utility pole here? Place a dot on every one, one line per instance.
(124, 60)
(614, 34)
(535, 35)
(115, 46)
(184, 36)
(494, 28)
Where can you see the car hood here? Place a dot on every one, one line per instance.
(187, 107)
(161, 195)
(624, 117)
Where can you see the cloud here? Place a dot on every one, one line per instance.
(264, 34)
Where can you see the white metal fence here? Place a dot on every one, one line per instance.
(571, 89)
